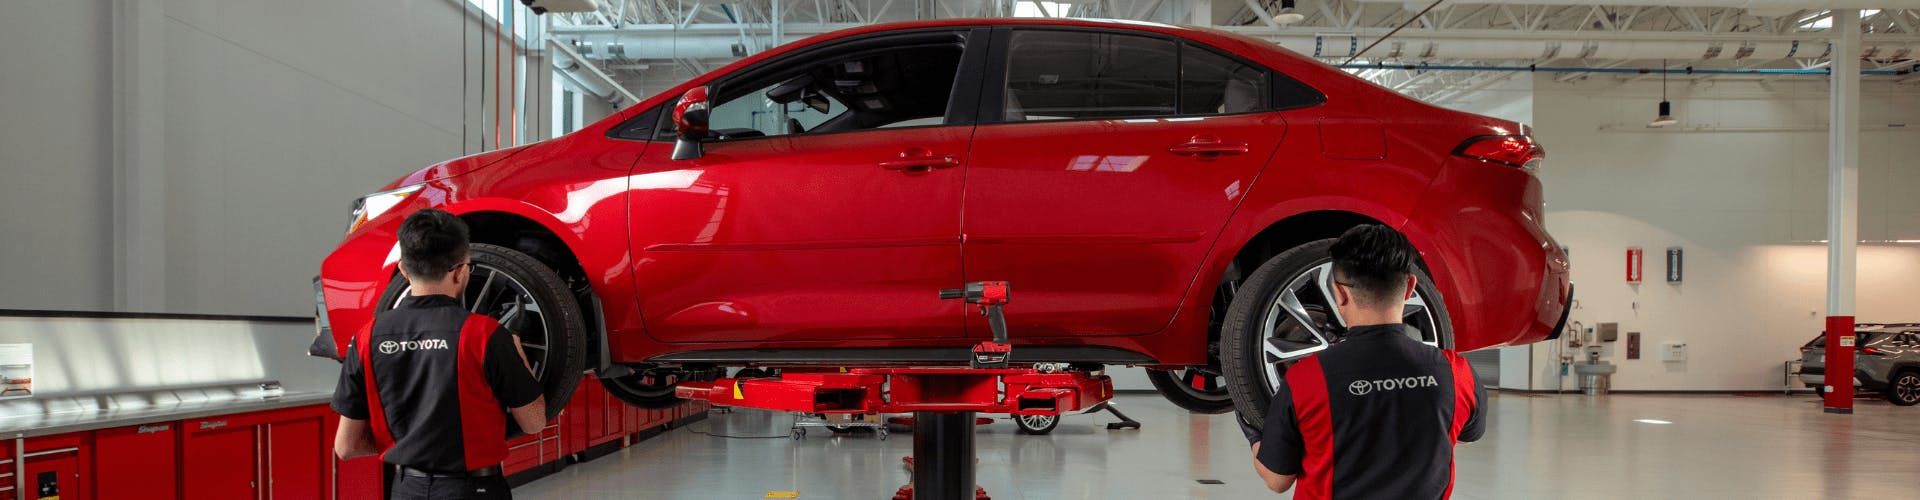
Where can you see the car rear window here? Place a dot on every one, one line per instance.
(1066, 75)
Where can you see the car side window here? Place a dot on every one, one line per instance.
(868, 86)
(1067, 75)
(1211, 83)
(758, 114)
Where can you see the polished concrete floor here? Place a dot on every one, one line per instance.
(1538, 446)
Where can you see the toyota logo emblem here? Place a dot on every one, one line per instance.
(1359, 387)
(389, 347)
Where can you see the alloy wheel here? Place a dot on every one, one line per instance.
(497, 294)
(1302, 320)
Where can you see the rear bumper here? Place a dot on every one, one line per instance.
(1506, 280)
(1817, 379)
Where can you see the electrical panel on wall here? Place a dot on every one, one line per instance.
(1608, 332)
(1673, 351)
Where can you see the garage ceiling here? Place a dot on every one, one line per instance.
(1437, 57)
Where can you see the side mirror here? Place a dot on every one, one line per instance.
(690, 124)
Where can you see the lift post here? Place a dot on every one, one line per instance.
(944, 401)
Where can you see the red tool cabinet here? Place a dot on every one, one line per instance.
(278, 454)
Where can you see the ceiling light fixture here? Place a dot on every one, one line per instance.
(1651, 421)
(1288, 16)
(1666, 107)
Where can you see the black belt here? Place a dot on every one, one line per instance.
(486, 472)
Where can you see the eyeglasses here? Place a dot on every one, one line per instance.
(1348, 285)
(456, 267)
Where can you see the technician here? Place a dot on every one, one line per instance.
(428, 385)
(1377, 414)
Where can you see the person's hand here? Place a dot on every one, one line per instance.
(1252, 433)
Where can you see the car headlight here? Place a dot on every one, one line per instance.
(370, 206)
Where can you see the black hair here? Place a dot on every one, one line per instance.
(432, 242)
(1373, 261)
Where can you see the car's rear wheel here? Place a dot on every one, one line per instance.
(1285, 312)
(1904, 389)
(525, 295)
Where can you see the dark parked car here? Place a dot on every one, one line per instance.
(1886, 360)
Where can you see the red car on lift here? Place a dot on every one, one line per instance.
(1133, 181)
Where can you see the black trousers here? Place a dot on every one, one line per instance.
(449, 488)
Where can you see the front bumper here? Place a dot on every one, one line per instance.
(322, 346)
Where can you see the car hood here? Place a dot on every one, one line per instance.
(458, 166)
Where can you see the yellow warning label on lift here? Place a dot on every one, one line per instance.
(1846, 341)
(783, 494)
(737, 394)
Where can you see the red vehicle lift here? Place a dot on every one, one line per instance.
(944, 401)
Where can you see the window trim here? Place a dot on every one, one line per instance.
(960, 107)
(992, 103)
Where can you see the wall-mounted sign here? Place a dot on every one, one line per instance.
(16, 371)
(1673, 264)
(1633, 264)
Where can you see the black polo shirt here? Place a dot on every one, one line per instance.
(1374, 416)
(442, 380)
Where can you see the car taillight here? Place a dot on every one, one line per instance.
(1511, 150)
(1873, 351)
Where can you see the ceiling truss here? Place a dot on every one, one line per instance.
(755, 25)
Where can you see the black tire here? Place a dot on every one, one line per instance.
(1242, 357)
(645, 389)
(1904, 389)
(1036, 425)
(560, 330)
(1211, 398)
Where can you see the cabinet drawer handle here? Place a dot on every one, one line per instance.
(51, 452)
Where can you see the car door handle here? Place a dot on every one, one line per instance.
(1207, 146)
(915, 160)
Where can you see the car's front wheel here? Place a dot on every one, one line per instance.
(652, 388)
(1904, 389)
(1195, 388)
(1285, 312)
(524, 294)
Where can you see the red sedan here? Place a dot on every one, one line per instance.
(1131, 180)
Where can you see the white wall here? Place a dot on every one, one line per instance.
(1511, 99)
(274, 116)
(54, 249)
(1746, 207)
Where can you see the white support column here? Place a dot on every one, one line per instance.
(139, 156)
(1843, 166)
(1843, 210)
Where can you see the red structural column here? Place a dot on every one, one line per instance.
(1839, 364)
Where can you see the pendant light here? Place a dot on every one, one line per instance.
(1288, 16)
(1666, 107)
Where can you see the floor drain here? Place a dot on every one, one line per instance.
(1209, 481)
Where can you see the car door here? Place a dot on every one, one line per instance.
(831, 212)
(1116, 161)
